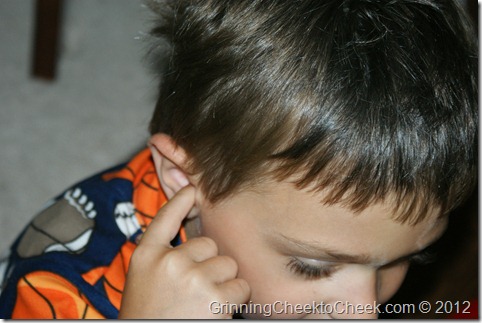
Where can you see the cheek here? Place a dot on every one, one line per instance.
(390, 280)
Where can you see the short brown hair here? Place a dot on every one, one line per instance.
(364, 98)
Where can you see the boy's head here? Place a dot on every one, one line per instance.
(364, 99)
(365, 109)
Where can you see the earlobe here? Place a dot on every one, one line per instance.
(170, 161)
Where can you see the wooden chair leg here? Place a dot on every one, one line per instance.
(46, 38)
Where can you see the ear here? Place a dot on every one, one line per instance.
(170, 161)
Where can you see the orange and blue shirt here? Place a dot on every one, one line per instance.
(71, 261)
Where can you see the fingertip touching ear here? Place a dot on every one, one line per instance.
(171, 162)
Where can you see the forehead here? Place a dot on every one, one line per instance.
(283, 215)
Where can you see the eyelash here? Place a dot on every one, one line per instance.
(308, 271)
(314, 272)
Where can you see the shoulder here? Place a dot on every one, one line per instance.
(81, 230)
(69, 222)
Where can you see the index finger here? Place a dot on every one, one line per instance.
(165, 225)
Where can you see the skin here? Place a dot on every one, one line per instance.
(288, 224)
(250, 245)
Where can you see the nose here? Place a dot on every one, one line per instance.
(357, 296)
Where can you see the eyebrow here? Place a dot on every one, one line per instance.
(315, 250)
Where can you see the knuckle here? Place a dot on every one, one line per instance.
(195, 274)
(219, 296)
(230, 263)
(241, 288)
(234, 291)
(197, 279)
(175, 264)
(172, 259)
(208, 244)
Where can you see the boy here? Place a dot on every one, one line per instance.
(309, 151)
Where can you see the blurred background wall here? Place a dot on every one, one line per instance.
(92, 116)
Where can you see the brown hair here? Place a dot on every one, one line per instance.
(365, 98)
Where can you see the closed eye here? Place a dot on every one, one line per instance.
(309, 271)
(427, 255)
(423, 258)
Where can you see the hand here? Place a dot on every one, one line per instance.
(180, 282)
